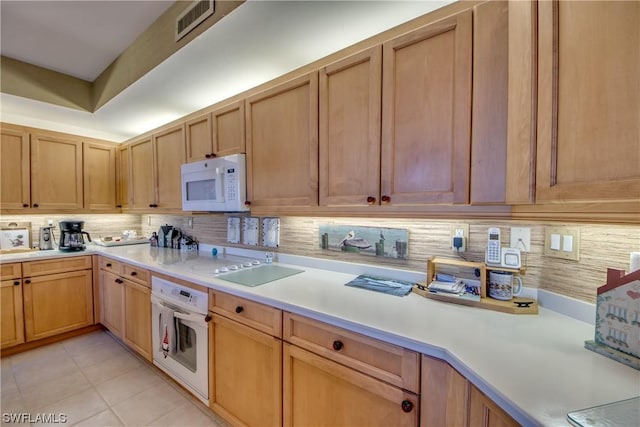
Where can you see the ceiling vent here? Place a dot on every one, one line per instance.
(197, 12)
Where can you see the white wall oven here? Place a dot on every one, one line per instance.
(180, 326)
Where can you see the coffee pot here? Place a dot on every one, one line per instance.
(71, 236)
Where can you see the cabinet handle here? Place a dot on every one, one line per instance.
(247, 203)
(337, 345)
(16, 283)
(133, 273)
(35, 205)
(371, 200)
(118, 206)
(239, 309)
(27, 281)
(207, 318)
(385, 199)
(25, 205)
(108, 264)
(213, 155)
(407, 406)
(208, 156)
(118, 281)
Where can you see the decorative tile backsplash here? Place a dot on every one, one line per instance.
(602, 246)
(371, 241)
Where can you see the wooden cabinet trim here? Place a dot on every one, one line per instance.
(190, 140)
(258, 316)
(216, 128)
(12, 313)
(136, 274)
(390, 363)
(108, 200)
(136, 331)
(56, 265)
(11, 271)
(23, 199)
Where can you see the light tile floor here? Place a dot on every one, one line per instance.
(96, 381)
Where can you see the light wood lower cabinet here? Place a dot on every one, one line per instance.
(11, 317)
(246, 372)
(57, 303)
(483, 412)
(318, 391)
(125, 296)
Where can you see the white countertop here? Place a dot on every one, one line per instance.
(533, 366)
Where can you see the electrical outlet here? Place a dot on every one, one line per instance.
(190, 222)
(148, 219)
(521, 238)
(459, 230)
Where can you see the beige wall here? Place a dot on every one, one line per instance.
(602, 246)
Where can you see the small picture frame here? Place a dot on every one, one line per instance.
(15, 236)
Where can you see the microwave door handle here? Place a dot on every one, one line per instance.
(219, 184)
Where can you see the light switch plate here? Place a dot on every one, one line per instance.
(520, 238)
(562, 242)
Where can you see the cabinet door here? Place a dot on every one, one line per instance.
(228, 129)
(282, 144)
(112, 302)
(246, 374)
(350, 98)
(141, 170)
(122, 168)
(137, 318)
(99, 176)
(320, 392)
(426, 114)
(588, 146)
(170, 155)
(12, 325)
(198, 138)
(490, 101)
(56, 172)
(57, 303)
(445, 395)
(15, 166)
(483, 412)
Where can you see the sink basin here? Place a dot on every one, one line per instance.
(257, 276)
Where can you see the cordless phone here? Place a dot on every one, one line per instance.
(493, 246)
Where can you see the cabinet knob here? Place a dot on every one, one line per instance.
(239, 309)
(247, 203)
(337, 345)
(35, 205)
(118, 206)
(27, 281)
(134, 273)
(118, 281)
(25, 205)
(208, 156)
(213, 155)
(385, 199)
(371, 200)
(108, 264)
(16, 283)
(207, 318)
(407, 405)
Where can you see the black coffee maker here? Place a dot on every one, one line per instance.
(71, 236)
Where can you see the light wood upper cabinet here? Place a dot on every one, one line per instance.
(15, 166)
(141, 175)
(228, 129)
(584, 90)
(490, 103)
(99, 176)
(56, 172)
(350, 102)
(122, 173)
(426, 113)
(198, 138)
(169, 154)
(282, 144)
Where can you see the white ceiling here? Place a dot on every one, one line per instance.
(258, 41)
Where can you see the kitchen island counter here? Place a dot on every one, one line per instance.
(534, 366)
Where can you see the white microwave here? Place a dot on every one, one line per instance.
(215, 185)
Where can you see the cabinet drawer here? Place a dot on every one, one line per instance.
(10, 271)
(259, 316)
(136, 274)
(390, 363)
(58, 265)
(111, 265)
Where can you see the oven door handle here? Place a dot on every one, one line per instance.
(195, 318)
